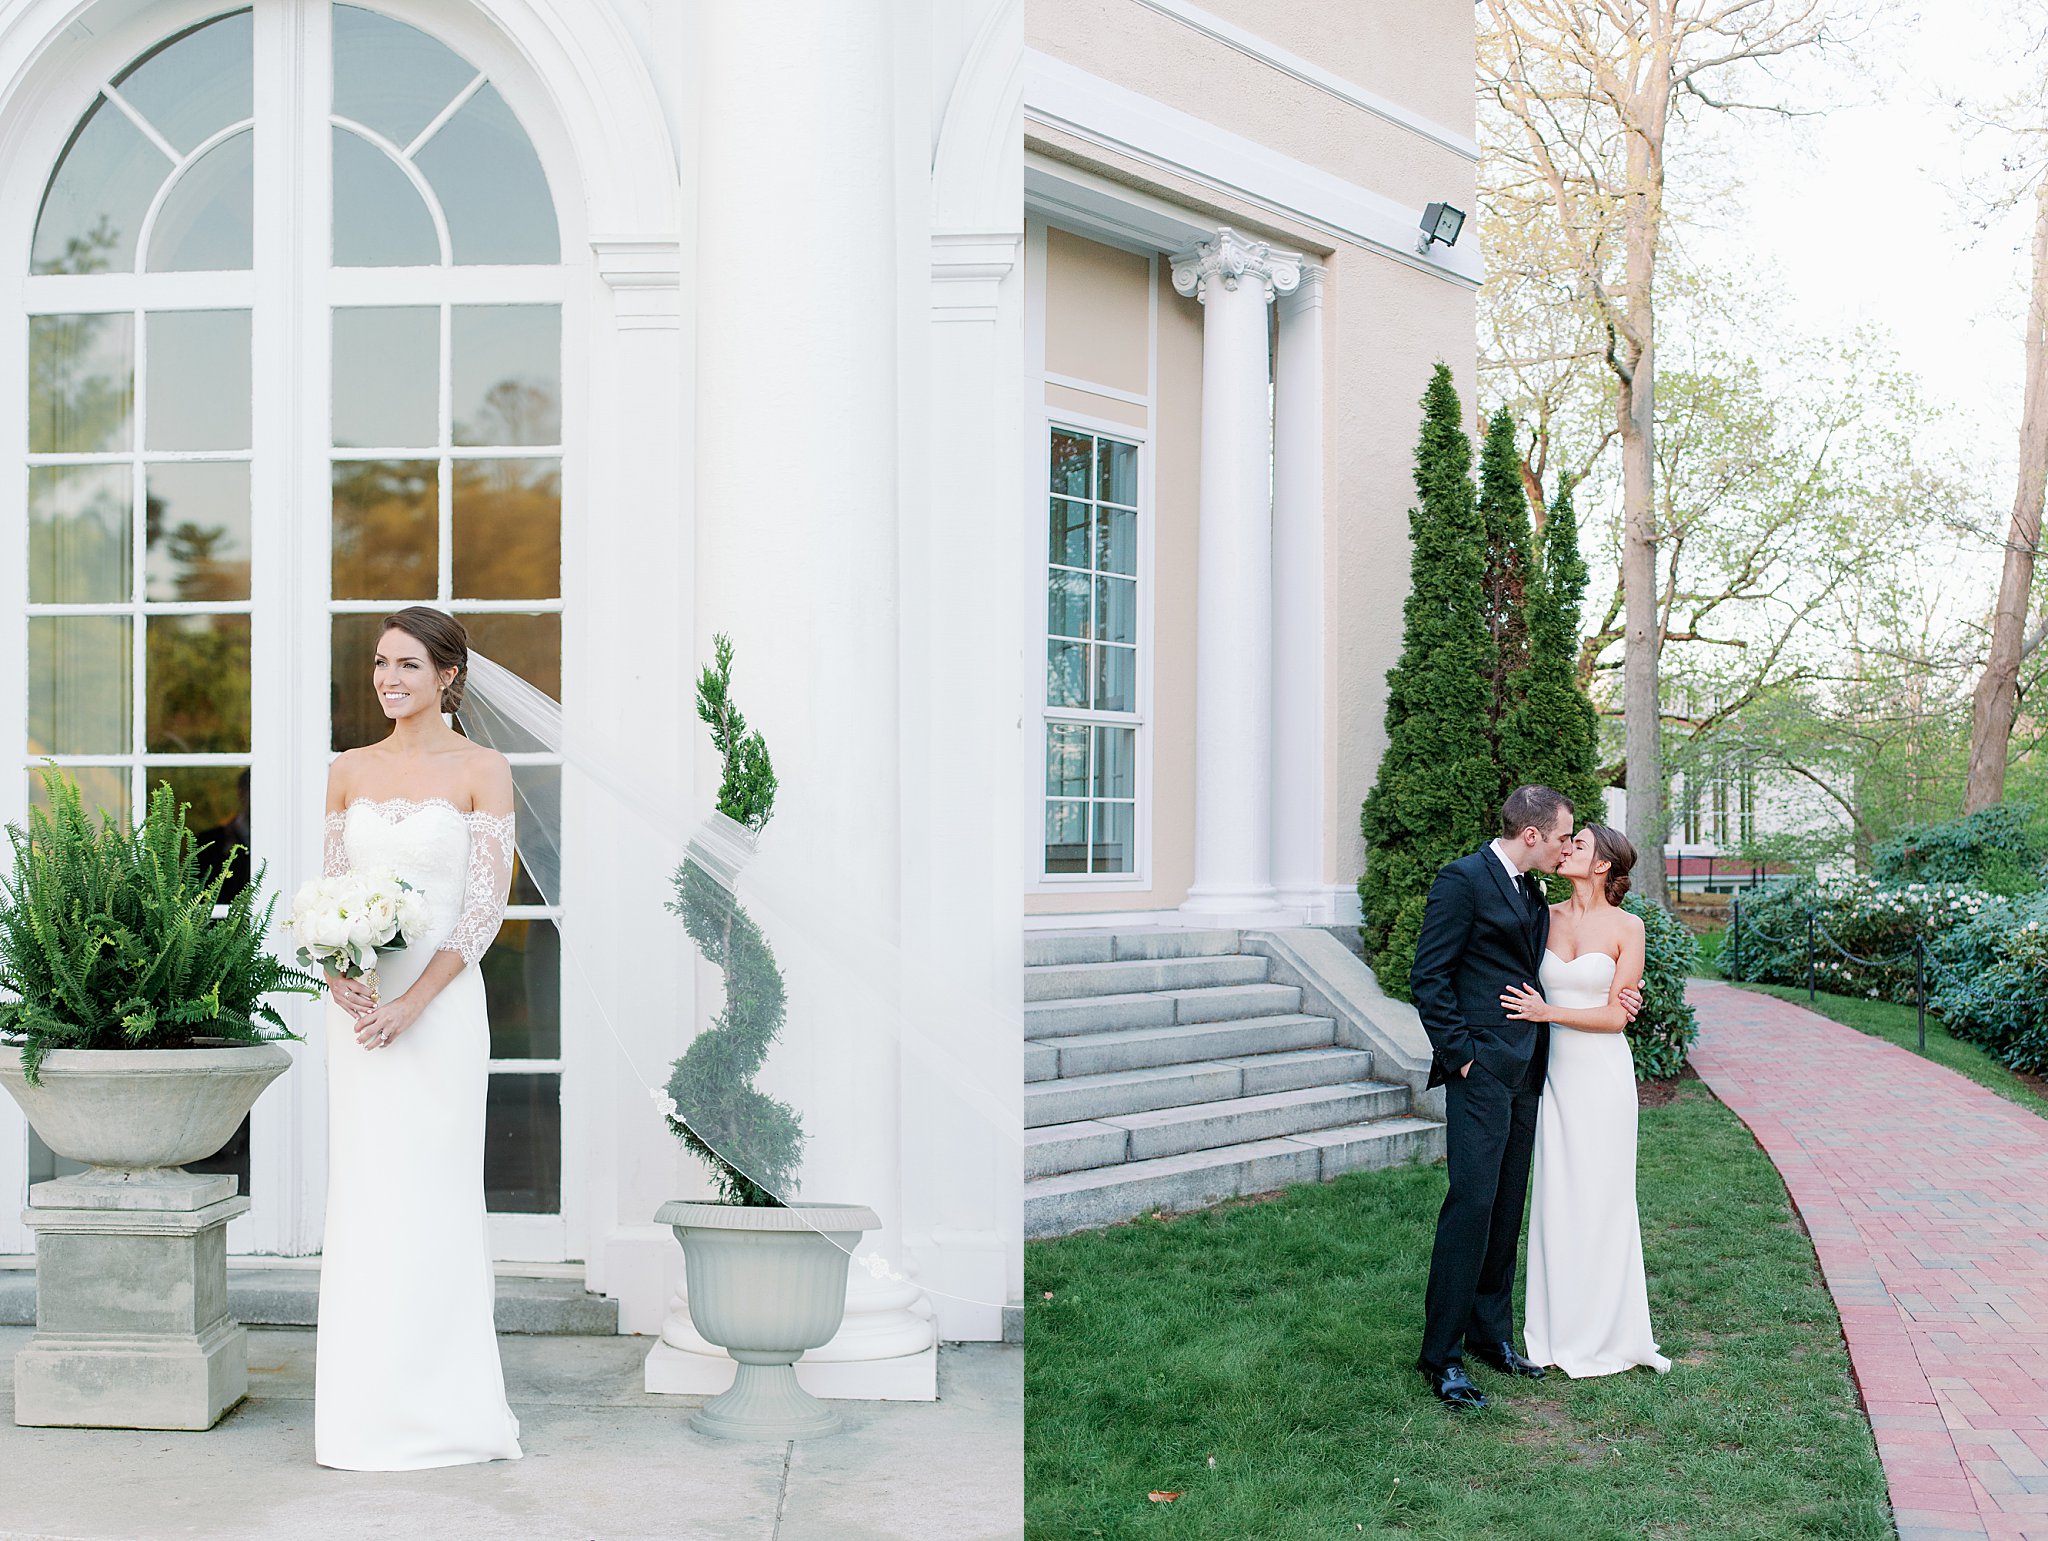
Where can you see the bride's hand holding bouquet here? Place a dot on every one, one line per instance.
(342, 923)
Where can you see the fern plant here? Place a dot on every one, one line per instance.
(752, 1142)
(108, 938)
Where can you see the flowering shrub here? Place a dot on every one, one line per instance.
(1864, 933)
(1666, 1027)
(1989, 981)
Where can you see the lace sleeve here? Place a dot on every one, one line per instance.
(333, 847)
(489, 885)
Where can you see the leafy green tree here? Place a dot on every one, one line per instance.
(1435, 795)
(1552, 734)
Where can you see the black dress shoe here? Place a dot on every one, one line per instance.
(1502, 1357)
(1453, 1387)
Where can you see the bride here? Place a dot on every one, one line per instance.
(406, 1373)
(1588, 1304)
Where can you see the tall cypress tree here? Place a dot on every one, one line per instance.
(1552, 734)
(1434, 797)
(1504, 516)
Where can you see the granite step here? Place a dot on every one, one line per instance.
(1134, 1137)
(1114, 946)
(290, 1297)
(1074, 1201)
(1183, 1043)
(1073, 1098)
(1156, 1008)
(1063, 981)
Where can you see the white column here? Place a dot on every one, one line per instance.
(806, 275)
(1298, 810)
(1235, 279)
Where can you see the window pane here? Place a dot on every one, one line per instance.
(81, 383)
(1116, 540)
(387, 529)
(1066, 674)
(1116, 610)
(1069, 464)
(379, 218)
(79, 684)
(529, 645)
(1116, 751)
(508, 374)
(93, 208)
(1066, 759)
(1069, 533)
(102, 788)
(1116, 679)
(1066, 606)
(358, 715)
(198, 379)
(391, 77)
(1116, 472)
(208, 221)
(199, 684)
(1115, 846)
(492, 190)
(218, 817)
(196, 83)
(80, 533)
(508, 529)
(523, 1145)
(1066, 837)
(387, 377)
(523, 986)
(536, 799)
(199, 530)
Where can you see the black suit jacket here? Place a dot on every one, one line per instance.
(1479, 935)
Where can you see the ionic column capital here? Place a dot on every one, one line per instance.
(1231, 259)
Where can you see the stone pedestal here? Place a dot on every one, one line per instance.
(132, 1323)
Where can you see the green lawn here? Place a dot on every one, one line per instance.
(1258, 1360)
(1897, 1024)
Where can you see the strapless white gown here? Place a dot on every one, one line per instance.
(406, 1371)
(1588, 1303)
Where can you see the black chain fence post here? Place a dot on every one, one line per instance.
(1920, 987)
(1732, 952)
(1809, 957)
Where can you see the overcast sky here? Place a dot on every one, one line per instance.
(1858, 211)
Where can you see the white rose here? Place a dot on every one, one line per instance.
(380, 914)
(412, 914)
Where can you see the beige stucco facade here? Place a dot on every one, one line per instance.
(1299, 124)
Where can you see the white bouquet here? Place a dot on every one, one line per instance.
(342, 923)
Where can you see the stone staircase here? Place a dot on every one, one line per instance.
(1164, 1070)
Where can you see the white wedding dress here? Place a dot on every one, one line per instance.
(406, 1371)
(1588, 1304)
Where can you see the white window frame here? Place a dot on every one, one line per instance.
(1139, 878)
(291, 297)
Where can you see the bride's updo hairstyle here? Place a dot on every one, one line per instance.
(446, 642)
(1612, 847)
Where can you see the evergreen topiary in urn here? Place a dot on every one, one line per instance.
(137, 1033)
(765, 1275)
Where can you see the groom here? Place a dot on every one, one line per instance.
(1484, 929)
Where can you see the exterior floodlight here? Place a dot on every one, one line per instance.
(1440, 222)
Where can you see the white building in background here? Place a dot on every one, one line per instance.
(1228, 319)
(610, 325)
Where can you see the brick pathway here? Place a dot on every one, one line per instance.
(1927, 1197)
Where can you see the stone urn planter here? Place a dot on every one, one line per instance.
(766, 1284)
(132, 1323)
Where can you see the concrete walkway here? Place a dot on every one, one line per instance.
(1927, 1199)
(604, 1462)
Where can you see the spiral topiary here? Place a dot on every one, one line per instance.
(752, 1142)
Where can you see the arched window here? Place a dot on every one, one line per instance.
(200, 479)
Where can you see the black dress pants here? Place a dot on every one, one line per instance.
(1490, 1135)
